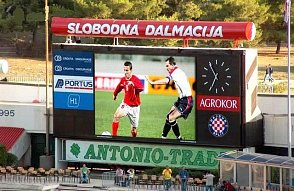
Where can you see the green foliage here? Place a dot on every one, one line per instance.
(6, 158)
(3, 155)
(11, 159)
(61, 12)
(274, 28)
(92, 9)
(266, 14)
(7, 25)
(182, 10)
(281, 87)
(273, 88)
(236, 10)
(275, 175)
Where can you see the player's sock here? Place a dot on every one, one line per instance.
(166, 129)
(176, 129)
(134, 132)
(115, 126)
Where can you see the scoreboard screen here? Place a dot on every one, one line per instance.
(85, 77)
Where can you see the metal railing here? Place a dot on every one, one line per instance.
(145, 182)
(27, 79)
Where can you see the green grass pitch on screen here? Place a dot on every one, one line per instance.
(154, 109)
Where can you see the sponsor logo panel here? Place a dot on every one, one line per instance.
(218, 103)
(219, 128)
(77, 84)
(142, 154)
(218, 125)
(76, 101)
(73, 63)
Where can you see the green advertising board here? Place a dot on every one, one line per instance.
(202, 158)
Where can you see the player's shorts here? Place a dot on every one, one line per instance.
(133, 112)
(184, 105)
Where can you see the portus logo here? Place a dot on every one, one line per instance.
(59, 83)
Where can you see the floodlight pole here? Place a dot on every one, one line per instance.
(288, 22)
(47, 78)
(289, 77)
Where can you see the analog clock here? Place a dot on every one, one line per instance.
(216, 76)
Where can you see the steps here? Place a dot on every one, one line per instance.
(7, 51)
(7, 48)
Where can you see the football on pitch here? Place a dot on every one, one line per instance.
(106, 133)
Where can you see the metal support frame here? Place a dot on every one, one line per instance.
(47, 78)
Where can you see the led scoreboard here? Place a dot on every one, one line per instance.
(224, 82)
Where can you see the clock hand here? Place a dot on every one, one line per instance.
(212, 83)
(215, 78)
(212, 69)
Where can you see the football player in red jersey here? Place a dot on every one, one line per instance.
(130, 105)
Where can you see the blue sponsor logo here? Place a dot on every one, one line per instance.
(73, 63)
(58, 68)
(74, 84)
(79, 83)
(57, 58)
(73, 100)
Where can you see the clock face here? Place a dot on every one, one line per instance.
(216, 76)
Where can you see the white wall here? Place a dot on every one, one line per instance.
(274, 103)
(28, 116)
(251, 72)
(275, 110)
(21, 146)
(24, 93)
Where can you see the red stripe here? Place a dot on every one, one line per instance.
(189, 103)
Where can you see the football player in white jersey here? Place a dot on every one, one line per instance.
(183, 106)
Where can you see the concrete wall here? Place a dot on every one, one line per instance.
(275, 111)
(28, 116)
(251, 75)
(24, 93)
(21, 146)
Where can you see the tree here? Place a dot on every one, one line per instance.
(275, 29)
(182, 9)
(28, 15)
(236, 10)
(6, 158)
(120, 9)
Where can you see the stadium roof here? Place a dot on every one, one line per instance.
(9, 136)
(257, 158)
